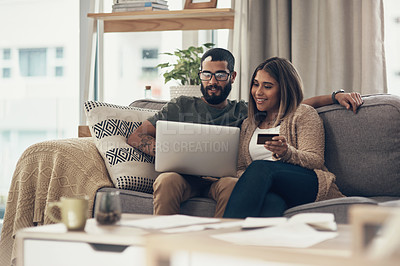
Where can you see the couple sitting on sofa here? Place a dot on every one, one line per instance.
(283, 173)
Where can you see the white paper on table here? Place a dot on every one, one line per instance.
(321, 221)
(191, 228)
(296, 235)
(255, 222)
(224, 225)
(200, 227)
(168, 221)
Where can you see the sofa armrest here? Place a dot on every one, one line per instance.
(83, 131)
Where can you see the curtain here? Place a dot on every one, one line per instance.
(334, 44)
(239, 48)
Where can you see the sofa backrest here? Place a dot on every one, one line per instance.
(363, 149)
(149, 104)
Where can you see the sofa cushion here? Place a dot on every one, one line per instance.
(110, 125)
(149, 104)
(132, 201)
(363, 150)
(391, 203)
(142, 203)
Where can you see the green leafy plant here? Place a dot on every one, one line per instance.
(187, 67)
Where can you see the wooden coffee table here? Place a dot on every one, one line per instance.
(344, 250)
(122, 245)
(335, 252)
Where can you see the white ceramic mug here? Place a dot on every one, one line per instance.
(74, 212)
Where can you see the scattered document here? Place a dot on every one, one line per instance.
(276, 228)
(224, 225)
(185, 229)
(168, 221)
(295, 235)
(257, 222)
(200, 227)
(320, 221)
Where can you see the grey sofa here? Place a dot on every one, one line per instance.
(362, 150)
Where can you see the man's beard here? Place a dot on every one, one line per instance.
(216, 99)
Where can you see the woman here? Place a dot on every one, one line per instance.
(288, 170)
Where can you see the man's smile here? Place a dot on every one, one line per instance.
(213, 90)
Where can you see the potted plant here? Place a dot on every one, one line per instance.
(185, 70)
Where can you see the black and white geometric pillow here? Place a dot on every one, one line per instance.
(110, 126)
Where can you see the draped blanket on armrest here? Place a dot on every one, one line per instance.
(45, 172)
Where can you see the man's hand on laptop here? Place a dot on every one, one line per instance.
(143, 138)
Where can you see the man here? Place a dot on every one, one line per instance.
(217, 76)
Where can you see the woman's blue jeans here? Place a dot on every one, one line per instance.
(268, 188)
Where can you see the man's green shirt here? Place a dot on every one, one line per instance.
(195, 110)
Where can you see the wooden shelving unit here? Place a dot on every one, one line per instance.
(164, 20)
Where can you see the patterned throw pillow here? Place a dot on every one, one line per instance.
(110, 126)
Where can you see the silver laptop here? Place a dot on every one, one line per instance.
(196, 149)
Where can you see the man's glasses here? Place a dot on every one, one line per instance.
(220, 76)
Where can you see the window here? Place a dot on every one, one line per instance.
(59, 71)
(149, 72)
(392, 42)
(59, 52)
(33, 62)
(6, 54)
(6, 72)
(149, 63)
(40, 99)
(150, 53)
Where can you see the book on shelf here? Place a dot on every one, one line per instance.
(163, 2)
(145, 4)
(131, 9)
(138, 6)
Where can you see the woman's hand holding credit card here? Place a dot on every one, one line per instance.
(262, 138)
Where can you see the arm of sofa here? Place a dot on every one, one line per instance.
(83, 131)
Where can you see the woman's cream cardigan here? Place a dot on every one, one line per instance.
(305, 135)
